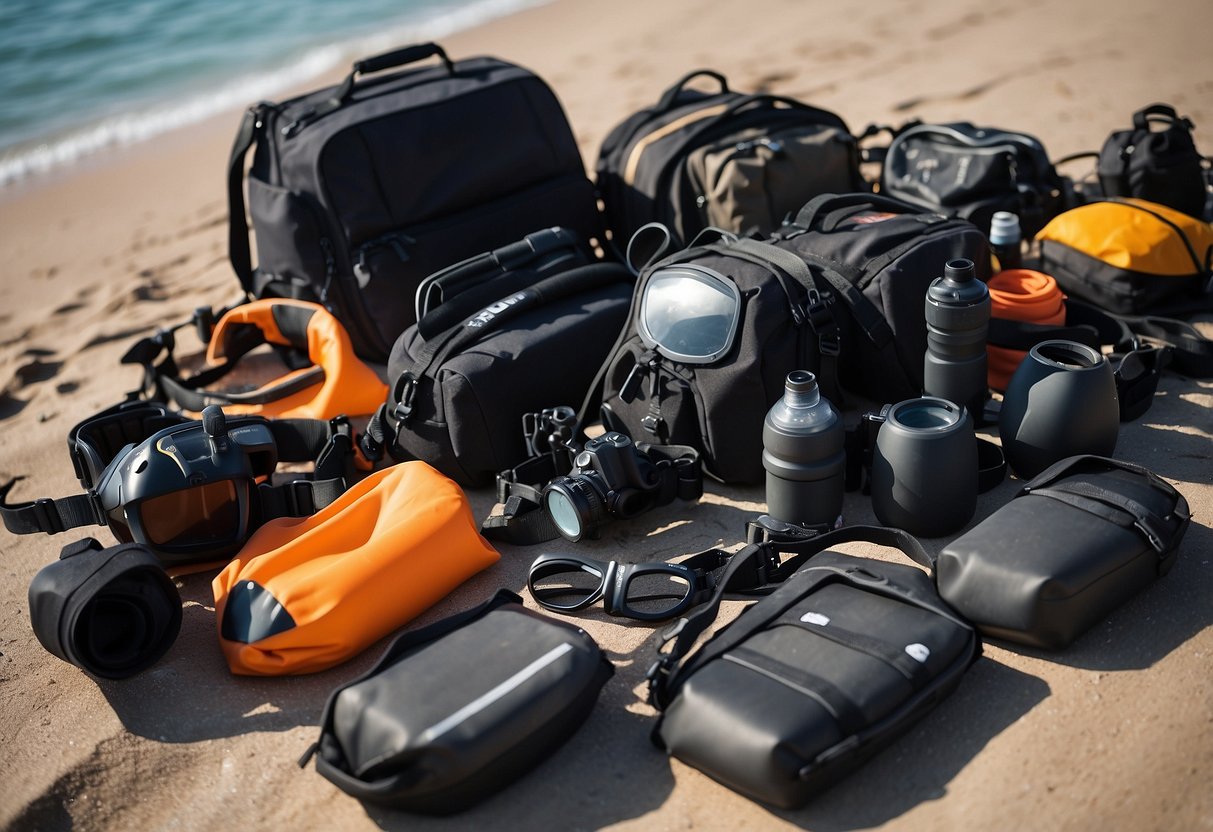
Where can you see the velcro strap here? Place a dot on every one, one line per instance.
(46, 515)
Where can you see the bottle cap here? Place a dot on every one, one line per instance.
(800, 381)
(959, 285)
(1004, 228)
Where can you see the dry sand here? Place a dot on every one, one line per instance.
(1115, 732)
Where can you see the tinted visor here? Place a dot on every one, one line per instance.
(207, 514)
(689, 314)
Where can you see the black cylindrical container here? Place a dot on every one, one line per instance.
(802, 450)
(958, 318)
(1061, 402)
(924, 469)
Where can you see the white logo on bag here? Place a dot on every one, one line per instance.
(493, 310)
(815, 618)
(918, 652)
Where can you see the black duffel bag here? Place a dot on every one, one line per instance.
(808, 683)
(359, 191)
(518, 330)
(972, 172)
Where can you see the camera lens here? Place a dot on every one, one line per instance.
(563, 512)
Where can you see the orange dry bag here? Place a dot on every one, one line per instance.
(1020, 295)
(307, 593)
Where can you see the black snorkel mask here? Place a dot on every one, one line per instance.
(190, 491)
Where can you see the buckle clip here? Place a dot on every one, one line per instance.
(46, 515)
(408, 393)
(829, 344)
(299, 498)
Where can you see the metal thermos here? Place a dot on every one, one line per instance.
(802, 450)
(958, 317)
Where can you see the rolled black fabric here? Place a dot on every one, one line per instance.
(111, 612)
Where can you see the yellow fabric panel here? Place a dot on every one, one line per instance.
(1133, 238)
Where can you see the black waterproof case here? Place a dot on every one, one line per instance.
(807, 684)
(1075, 543)
(457, 710)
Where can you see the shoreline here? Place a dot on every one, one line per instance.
(1111, 733)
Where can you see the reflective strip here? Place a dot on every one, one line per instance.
(480, 703)
(629, 170)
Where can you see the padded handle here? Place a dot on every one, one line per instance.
(671, 95)
(1142, 117)
(391, 60)
(806, 215)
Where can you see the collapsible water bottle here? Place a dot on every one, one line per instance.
(1005, 239)
(958, 317)
(802, 450)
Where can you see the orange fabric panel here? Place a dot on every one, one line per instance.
(1020, 295)
(1126, 234)
(349, 387)
(388, 549)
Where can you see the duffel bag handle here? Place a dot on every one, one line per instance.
(1141, 119)
(391, 60)
(806, 216)
(671, 95)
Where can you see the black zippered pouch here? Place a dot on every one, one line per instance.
(519, 329)
(456, 711)
(1078, 541)
(841, 659)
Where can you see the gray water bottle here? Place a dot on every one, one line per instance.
(958, 318)
(802, 450)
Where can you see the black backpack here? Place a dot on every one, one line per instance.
(360, 190)
(840, 291)
(1157, 165)
(724, 159)
(971, 172)
(516, 330)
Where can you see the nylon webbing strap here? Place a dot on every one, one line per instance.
(239, 252)
(46, 515)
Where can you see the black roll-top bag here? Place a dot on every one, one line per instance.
(456, 711)
(813, 680)
(1160, 165)
(967, 171)
(1075, 543)
(504, 334)
(359, 191)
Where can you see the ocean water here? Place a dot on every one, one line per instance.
(80, 76)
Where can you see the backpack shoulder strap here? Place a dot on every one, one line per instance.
(237, 239)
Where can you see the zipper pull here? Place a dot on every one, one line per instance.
(295, 126)
(631, 385)
(330, 270)
(362, 271)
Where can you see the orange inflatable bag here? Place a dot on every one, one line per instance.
(307, 593)
(1020, 295)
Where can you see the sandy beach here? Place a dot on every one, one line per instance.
(1116, 732)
